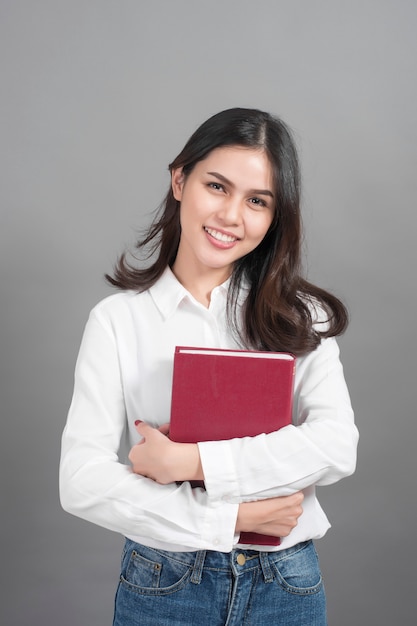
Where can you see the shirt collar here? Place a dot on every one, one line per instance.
(168, 293)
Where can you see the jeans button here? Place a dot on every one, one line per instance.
(241, 559)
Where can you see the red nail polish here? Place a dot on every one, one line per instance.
(138, 422)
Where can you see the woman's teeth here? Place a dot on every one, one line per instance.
(219, 236)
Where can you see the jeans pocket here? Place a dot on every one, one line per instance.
(151, 572)
(298, 571)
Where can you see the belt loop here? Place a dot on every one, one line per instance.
(266, 567)
(198, 567)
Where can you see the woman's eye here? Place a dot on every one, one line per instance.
(257, 202)
(216, 186)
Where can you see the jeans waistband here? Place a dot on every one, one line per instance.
(239, 561)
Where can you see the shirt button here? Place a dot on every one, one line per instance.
(241, 559)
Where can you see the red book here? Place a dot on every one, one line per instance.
(222, 394)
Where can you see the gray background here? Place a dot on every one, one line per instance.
(97, 98)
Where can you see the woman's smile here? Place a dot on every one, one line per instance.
(221, 238)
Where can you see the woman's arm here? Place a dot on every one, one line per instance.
(318, 449)
(97, 486)
(165, 461)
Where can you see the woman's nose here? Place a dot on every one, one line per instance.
(231, 210)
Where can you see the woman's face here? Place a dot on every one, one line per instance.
(227, 206)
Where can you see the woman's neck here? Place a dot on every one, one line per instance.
(200, 283)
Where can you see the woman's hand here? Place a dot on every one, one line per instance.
(274, 516)
(163, 460)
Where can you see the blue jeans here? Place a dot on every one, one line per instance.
(240, 588)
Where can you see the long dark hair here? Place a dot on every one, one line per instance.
(280, 309)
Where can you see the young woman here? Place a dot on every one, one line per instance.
(226, 274)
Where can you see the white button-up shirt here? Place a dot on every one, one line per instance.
(124, 373)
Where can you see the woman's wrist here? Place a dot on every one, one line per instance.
(186, 462)
(245, 521)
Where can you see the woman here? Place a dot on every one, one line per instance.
(226, 274)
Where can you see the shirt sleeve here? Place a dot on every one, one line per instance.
(97, 486)
(319, 448)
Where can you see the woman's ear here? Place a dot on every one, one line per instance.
(177, 183)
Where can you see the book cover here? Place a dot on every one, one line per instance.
(222, 394)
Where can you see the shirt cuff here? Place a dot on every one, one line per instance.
(220, 475)
(219, 526)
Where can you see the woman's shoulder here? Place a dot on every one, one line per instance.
(115, 300)
(117, 305)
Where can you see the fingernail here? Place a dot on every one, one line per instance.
(138, 422)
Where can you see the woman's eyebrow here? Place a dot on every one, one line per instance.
(259, 192)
